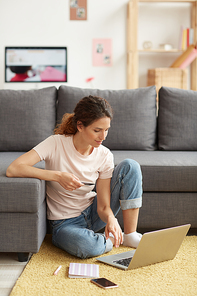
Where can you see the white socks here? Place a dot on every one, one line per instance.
(132, 239)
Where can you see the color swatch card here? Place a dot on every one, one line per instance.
(80, 270)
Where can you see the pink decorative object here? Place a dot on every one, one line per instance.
(189, 59)
(102, 52)
(89, 79)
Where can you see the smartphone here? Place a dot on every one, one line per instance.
(85, 183)
(104, 283)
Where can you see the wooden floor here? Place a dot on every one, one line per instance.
(10, 270)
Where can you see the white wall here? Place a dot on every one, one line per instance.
(46, 22)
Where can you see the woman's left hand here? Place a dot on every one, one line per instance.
(114, 227)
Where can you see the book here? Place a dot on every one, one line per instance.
(191, 36)
(189, 59)
(82, 270)
(182, 57)
(184, 39)
(188, 31)
(181, 38)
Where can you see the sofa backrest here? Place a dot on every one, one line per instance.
(177, 119)
(134, 124)
(27, 117)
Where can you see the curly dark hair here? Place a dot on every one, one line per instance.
(87, 110)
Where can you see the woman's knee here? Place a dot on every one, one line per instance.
(131, 181)
(83, 244)
(91, 246)
(130, 166)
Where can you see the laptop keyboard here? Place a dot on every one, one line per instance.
(124, 262)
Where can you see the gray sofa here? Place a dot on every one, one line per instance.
(165, 146)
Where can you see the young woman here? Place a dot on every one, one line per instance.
(75, 155)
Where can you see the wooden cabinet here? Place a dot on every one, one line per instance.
(132, 42)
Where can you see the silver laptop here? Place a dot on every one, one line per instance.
(154, 247)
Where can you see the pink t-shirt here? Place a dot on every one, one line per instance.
(60, 154)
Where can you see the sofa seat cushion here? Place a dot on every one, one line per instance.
(27, 117)
(134, 123)
(164, 171)
(20, 195)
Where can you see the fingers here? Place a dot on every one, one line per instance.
(77, 183)
(118, 237)
(114, 228)
(121, 238)
(106, 233)
(69, 181)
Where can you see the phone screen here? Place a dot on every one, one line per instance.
(104, 283)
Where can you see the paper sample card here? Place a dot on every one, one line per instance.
(102, 52)
(78, 10)
(81, 270)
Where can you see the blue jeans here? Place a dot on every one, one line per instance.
(78, 236)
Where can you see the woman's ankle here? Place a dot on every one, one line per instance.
(132, 239)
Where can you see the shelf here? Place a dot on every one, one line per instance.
(178, 1)
(159, 50)
(133, 52)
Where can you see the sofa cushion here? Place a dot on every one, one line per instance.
(177, 119)
(20, 195)
(164, 171)
(165, 209)
(27, 117)
(134, 122)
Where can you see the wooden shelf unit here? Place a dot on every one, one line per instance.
(132, 42)
(159, 50)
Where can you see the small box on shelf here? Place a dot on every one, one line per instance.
(170, 77)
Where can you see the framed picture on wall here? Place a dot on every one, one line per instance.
(102, 52)
(78, 10)
(35, 64)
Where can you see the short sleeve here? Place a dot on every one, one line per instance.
(107, 166)
(46, 148)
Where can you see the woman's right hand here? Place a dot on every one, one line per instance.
(69, 181)
(23, 167)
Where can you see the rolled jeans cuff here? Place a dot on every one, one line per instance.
(109, 246)
(131, 203)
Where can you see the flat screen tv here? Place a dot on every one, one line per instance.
(35, 64)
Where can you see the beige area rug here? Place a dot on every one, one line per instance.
(174, 277)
